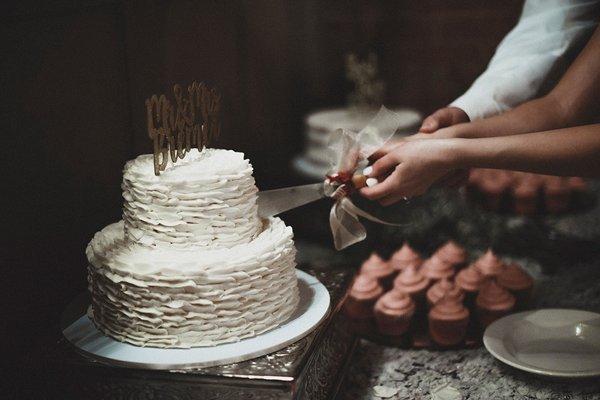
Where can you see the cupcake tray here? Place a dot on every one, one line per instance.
(361, 313)
(505, 203)
(312, 367)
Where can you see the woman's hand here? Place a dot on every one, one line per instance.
(442, 118)
(410, 168)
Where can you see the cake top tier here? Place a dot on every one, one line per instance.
(196, 166)
(206, 199)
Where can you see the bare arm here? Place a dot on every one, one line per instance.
(413, 166)
(566, 152)
(559, 147)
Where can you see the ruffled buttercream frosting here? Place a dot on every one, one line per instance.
(162, 297)
(207, 199)
(191, 264)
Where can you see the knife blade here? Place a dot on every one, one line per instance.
(276, 201)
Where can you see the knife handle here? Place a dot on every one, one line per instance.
(359, 181)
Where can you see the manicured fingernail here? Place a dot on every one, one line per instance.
(372, 182)
(367, 171)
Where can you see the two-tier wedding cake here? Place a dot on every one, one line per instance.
(191, 263)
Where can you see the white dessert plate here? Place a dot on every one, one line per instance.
(312, 309)
(552, 342)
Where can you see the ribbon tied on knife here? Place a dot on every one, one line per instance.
(349, 151)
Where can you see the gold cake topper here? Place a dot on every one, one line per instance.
(192, 121)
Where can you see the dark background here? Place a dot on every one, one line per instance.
(75, 76)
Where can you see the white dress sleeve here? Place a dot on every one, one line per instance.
(532, 57)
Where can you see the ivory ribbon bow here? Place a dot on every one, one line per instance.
(349, 151)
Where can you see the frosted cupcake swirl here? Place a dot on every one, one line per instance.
(449, 308)
(365, 288)
(452, 253)
(469, 279)
(489, 264)
(395, 303)
(411, 281)
(404, 257)
(434, 268)
(513, 277)
(494, 297)
(444, 288)
(376, 267)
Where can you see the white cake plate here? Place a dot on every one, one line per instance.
(312, 309)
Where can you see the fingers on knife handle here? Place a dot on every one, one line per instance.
(372, 182)
(359, 181)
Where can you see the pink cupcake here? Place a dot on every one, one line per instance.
(404, 257)
(577, 184)
(475, 176)
(394, 312)
(489, 264)
(469, 280)
(578, 188)
(448, 322)
(377, 268)
(493, 302)
(518, 282)
(363, 294)
(526, 195)
(434, 268)
(557, 194)
(412, 282)
(444, 288)
(494, 186)
(517, 177)
(452, 253)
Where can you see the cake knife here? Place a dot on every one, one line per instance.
(276, 201)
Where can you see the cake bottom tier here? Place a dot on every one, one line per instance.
(162, 297)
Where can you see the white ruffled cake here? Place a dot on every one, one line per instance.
(191, 263)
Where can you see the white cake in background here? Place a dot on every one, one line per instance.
(191, 264)
(314, 162)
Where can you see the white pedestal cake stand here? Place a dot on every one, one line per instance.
(312, 309)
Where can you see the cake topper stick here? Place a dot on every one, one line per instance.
(191, 121)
